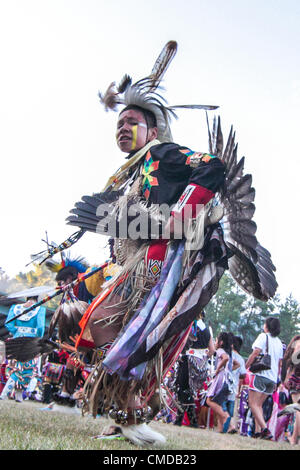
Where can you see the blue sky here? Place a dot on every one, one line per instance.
(57, 142)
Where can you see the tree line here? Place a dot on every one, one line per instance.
(233, 310)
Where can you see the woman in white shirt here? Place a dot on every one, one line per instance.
(264, 383)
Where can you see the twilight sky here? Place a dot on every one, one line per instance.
(57, 142)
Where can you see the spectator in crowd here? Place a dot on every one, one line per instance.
(238, 374)
(3, 377)
(291, 378)
(264, 383)
(220, 387)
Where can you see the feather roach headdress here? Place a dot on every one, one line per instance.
(144, 94)
(67, 266)
(68, 314)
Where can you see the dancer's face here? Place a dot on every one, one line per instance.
(132, 131)
(65, 282)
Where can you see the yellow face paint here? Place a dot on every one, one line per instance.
(134, 136)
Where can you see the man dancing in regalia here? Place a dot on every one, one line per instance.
(169, 263)
(177, 219)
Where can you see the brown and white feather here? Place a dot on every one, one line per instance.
(251, 265)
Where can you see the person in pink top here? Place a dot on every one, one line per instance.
(291, 378)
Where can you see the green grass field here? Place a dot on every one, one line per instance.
(24, 426)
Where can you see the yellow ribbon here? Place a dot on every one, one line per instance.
(134, 136)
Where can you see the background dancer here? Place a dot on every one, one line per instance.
(30, 325)
(67, 316)
(192, 370)
(264, 383)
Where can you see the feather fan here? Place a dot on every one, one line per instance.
(67, 317)
(25, 348)
(116, 218)
(251, 265)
